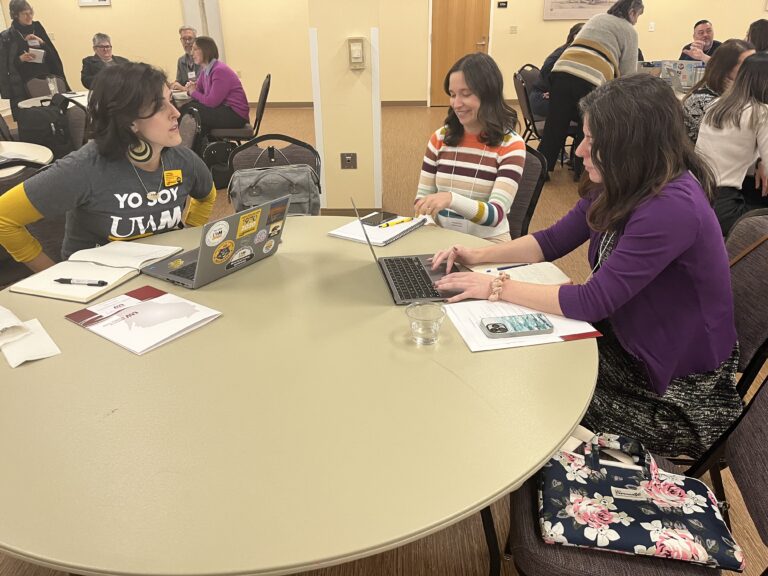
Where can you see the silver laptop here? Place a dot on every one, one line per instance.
(410, 278)
(226, 246)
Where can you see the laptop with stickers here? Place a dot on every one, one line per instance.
(226, 246)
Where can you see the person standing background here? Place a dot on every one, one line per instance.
(606, 48)
(18, 64)
(186, 68)
(540, 90)
(704, 44)
(102, 57)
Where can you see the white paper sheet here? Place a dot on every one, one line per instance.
(11, 328)
(466, 318)
(33, 346)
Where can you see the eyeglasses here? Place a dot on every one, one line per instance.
(188, 40)
(103, 46)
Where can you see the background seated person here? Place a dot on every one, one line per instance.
(660, 286)
(704, 44)
(17, 65)
(757, 34)
(718, 76)
(117, 186)
(102, 58)
(218, 93)
(474, 162)
(186, 69)
(733, 137)
(540, 90)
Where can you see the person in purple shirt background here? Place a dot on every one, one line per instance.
(659, 289)
(218, 93)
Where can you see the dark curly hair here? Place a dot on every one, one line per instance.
(484, 78)
(122, 94)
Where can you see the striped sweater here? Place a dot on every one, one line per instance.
(482, 179)
(606, 48)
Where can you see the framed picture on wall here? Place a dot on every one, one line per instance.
(576, 9)
(94, 2)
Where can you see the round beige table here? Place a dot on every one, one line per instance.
(23, 151)
(301, 429)
(79, 97)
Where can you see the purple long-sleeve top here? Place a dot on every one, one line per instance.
(220, 85)
(665, 287)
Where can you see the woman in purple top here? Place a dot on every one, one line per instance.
(660, 284)
(218, 93)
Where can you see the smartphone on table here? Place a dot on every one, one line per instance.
(378, 218)
(518, 325)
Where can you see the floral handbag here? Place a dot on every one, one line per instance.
(638, 509)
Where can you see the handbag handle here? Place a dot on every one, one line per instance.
(625, 445)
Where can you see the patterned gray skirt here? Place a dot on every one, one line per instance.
(686, 420)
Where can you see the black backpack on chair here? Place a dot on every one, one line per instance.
(47, 125)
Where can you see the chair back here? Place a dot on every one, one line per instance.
(528, 192)
(189, 128)
(39, 86)
(5, 131)
(750, 285)
(253, 155)
(263, 95)
(77, 120)
(523, 79)
(747, 456)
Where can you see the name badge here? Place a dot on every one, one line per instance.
(172, 177)
(191, 75)
(456, 224)
(33, 42)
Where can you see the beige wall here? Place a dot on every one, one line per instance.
(347, 116)
(140, 30)
(673, 19)
(264, 36)
(269, 37)
(404, 50)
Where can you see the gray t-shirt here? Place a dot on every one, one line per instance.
(104, 199)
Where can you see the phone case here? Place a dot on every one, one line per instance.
(520, 325)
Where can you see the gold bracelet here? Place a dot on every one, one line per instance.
(496, 286)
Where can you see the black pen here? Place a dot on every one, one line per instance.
(81, 282)
(508, 267)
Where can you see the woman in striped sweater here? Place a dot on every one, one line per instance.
(473, 163)
(606, 48)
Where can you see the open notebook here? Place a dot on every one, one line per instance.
(379, 236)
(109, 265)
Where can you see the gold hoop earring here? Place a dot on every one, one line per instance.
(141, 152)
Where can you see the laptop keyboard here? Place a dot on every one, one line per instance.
(410, 278)
(187, 271)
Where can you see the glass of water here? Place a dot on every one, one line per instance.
(425, 319)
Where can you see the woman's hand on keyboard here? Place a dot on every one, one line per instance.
(456, 254)
(469, 284)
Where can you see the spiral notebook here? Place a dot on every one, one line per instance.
(377, 235)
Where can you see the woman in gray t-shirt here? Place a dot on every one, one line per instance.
(132, 180)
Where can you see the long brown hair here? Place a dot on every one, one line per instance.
(484, 78)
(749, 89)
(758, 34)
(639, 144)
(720, 65)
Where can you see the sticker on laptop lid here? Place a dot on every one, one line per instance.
(268, 246)
(177, 263)
(240, 257)
(274, 229)
(216, 233)
(223, 252)
(249, 223)
(260, 236)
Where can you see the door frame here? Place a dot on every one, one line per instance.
(429, 47)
